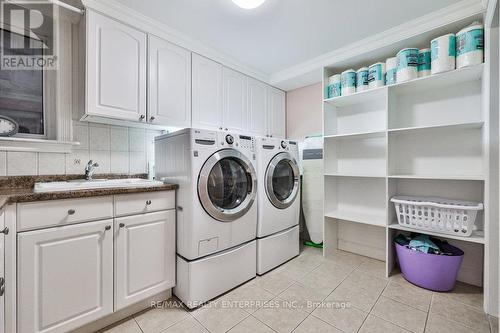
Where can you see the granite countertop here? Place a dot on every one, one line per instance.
(20, 189)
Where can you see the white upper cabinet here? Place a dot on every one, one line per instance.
(257, 107)
(169, 84)
(277, 121)
(144, 256)
(116, 69)
(234, 109)
(65, 277)
(207, 93)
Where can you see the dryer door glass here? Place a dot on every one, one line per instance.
(228, 184)
(282, 180)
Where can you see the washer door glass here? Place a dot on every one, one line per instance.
(228, 184)
(283, 180)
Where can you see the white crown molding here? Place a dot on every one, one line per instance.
(134, 18)
(310, 72)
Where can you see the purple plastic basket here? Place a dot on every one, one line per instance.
(430, 271)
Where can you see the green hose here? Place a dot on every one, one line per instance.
(312, 244)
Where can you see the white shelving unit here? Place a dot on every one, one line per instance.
(426, 137)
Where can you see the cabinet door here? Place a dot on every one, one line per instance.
(65, 277)
(234, 100)
(169, 84)
(207, 93)
(277, 120)
(144, 256)
(2, 273)
(116, 69)
(257, 107)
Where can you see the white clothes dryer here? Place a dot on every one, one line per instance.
(278, 202)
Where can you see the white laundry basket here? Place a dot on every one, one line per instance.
(453, 217)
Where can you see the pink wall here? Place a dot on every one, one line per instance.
(304, 112)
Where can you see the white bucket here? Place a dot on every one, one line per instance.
(470, 45)
(348, 82)
(362, 79)
(376, 75)
(407, 65)
(391, 65)
(424, 62)
(443, 54)
(334, 86)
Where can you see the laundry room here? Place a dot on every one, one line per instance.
(211, 166)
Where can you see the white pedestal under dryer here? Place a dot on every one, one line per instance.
(216, 209)
(278, 202)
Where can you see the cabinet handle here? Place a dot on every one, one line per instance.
(2, 286)
(122, 225)
(148, 202)
(108, 227)
(142, 117)
(5, 231)
(152, 119)
(71, 212)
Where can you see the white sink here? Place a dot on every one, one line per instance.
(74, 185)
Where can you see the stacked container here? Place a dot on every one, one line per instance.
(376, 75)
(362, 79)
(470, 45)
(348, 82)
(407, 65)
(443, 54)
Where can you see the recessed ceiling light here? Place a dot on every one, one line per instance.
(249, 4)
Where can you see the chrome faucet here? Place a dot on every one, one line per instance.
(90, 169)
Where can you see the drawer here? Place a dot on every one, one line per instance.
(128, 204)
(42, 214)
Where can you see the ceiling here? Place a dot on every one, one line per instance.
(282, 33)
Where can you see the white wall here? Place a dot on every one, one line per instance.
(119, 150)
(304, 112)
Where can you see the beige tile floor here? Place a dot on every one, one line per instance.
(344, 293)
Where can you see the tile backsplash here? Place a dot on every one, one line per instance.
(117, 149)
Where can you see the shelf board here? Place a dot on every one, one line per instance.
(439, 177)
(457, 126)
(358, 98)
(435, 81)
(476, 237)
(438, 81)
(37, 145)
(371, 134)
(357, 217)
(354, 175)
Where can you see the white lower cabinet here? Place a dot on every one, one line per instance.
(65, 277)
(144, 256)
(73, 274)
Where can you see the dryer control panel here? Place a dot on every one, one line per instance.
(236, 141)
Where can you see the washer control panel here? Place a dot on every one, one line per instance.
(247, 142)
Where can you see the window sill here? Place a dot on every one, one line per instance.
(36, 145)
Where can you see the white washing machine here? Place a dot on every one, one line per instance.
(278, 202)
(216, 209)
